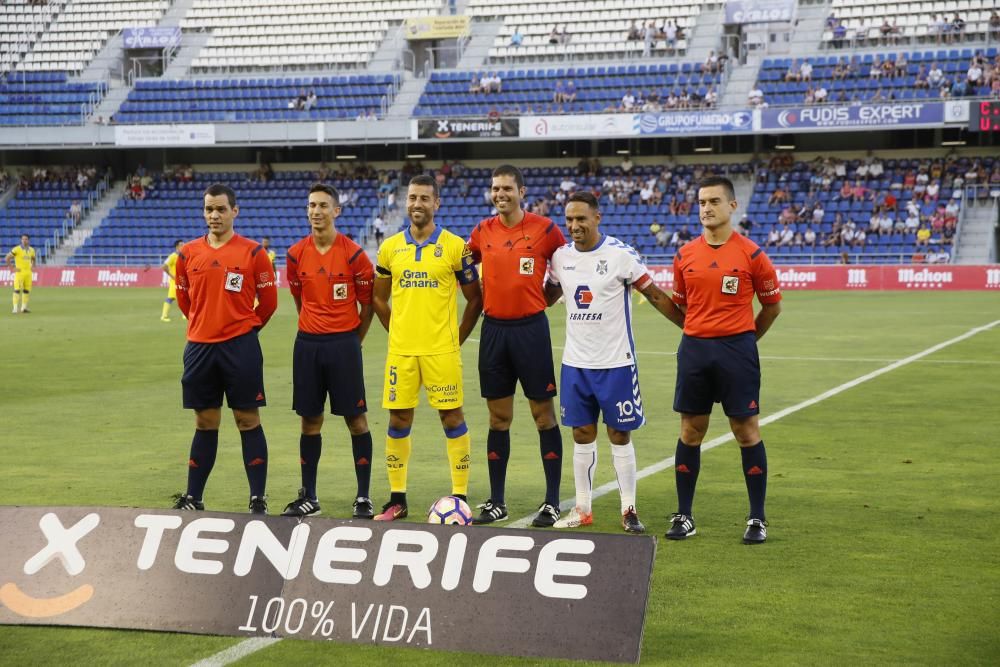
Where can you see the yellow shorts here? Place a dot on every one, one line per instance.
(172, 290)
(440, 375)
(22, 281)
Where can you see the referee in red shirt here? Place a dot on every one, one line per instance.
(715, 279)
(330, 278)
(218, 277)
(514, 248)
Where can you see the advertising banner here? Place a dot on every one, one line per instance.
(436, 27)
(870, 277)
(400, 584)
(759, 11)
(601, 125)
(99, 276)
(865, 116)
(151, 38)
(164, 135)
(695, 122)
(458, 128)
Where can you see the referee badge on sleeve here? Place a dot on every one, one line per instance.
(527, 266)
(234, 282)
(730, 284)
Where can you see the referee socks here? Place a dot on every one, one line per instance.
(497, 455)
(255, 459)
(755, 473)
(310, 450)
(361, 448)
(204, 447)
(550, 443)
(687, 465)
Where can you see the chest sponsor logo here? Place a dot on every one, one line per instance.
(583, 297)
(234, 282)
(527, 266)
(340, 292)
(730, 284)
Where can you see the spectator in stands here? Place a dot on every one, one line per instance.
(681, 236)
(779, 196)
(517, 38)
(957, 28)
(875, 71)
(711, 98)
(994, 25)
(889, 31)
(786, 236)
(670, 35)
(839, 34)
(923, 236)
(817, 213)
(745, 225)
(310, 101)
(860, 238)
(809, 237)
(635, 32)
(711, 64)
(920, 79)
(4, 179)
(793, 74)
(805, 71)
(628, 101)
(561, 35)
(75, 211)
(135, 190)
(662, 236)
(773, 237)
(569, 94)
(476, 85)
(299, 102)
(756, 97)
(935, 77)
(834, 236)
(820, 94)
(558, 95)
(626, 165)
(974, 75)
(648, 39)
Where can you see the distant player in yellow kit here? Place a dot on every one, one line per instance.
(170, 268)
(21, 259)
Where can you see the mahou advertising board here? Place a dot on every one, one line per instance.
(836, 277)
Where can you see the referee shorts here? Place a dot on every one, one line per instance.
(328, 365)
(718, 370)
(234, 368)
(516, 350)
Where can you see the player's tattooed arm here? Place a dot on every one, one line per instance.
(663, 303)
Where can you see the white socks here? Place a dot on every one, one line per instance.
(584, 462)
(623, 457)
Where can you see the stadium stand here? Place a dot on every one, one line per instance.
(288, 34)
(582, 29)
(255, 100)
(861, 23)
(141, 231)
(22, 22)
(40, 208)
(896, 76)
(596, 89)
(81, 29)
(47, 98)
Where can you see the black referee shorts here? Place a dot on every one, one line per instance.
(516, 350)
(328, 364)
(233, 367)
(718, 370)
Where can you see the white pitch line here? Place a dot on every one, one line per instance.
(254, 644)
(722, 439)
(237, 652)
(975, 362)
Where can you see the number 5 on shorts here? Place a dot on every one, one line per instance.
(392, 375)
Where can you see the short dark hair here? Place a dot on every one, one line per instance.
(585, 197)
(218, 189)
(712, 181)
(178, 241)
(328, 189)
(510, 170)
(424, 179)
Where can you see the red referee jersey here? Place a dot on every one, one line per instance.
(718, 285)
(329, 286)
(216, 288)
(513, 263)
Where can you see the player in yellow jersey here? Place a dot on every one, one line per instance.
(170, 268)
(20, 260)
(265, 243)
(420, 269)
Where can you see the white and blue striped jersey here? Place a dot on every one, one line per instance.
(598, 285)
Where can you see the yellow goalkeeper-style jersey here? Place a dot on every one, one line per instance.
(425, 281)
(23, 258)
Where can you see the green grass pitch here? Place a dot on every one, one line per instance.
(883, 499)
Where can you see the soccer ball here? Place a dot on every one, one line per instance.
(450, 510)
